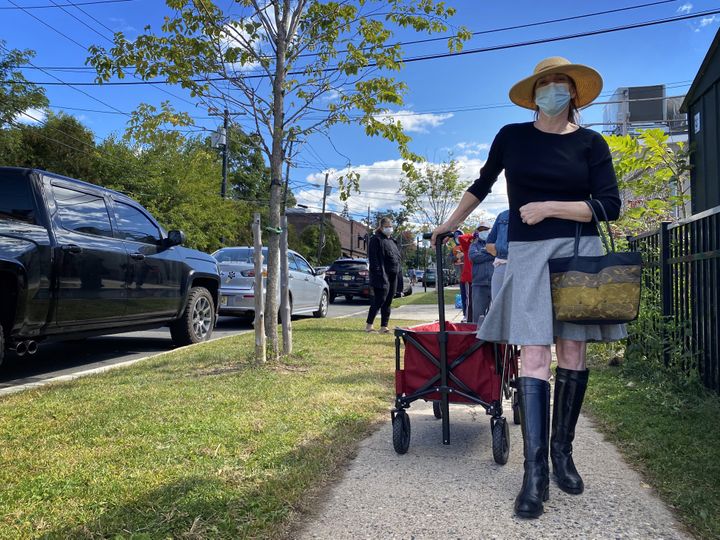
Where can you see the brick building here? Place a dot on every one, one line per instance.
(351, 232)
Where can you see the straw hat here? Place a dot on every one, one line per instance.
(588, 82)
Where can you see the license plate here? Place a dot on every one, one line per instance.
(347, 278)
(224, 301)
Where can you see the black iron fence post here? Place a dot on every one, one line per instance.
(665, 288)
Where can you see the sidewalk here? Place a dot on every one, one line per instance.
(425, 312)
(458, 491)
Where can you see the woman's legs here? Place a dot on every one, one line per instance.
(386, 303)
(536, 361)
(570, 384)
(377, 301)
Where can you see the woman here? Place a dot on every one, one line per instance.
(482, 271)
(497, 245)
(552, 167)
(384, 256)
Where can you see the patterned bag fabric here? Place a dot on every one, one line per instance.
(604, 289)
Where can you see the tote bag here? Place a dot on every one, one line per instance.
(602, 289)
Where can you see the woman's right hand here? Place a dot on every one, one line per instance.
(443, 228)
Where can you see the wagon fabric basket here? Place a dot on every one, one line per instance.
(472, 363)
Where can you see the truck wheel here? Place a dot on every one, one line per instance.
(197, 321)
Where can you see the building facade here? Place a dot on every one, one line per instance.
(702, 105)
(352, 234)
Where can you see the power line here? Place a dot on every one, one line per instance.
(46, 6)
(49, 26)
(432, 56)
(520, 26)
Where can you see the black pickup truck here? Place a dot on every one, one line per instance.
(78, 260)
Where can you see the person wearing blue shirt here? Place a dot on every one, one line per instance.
(497, 245)
(482, 272)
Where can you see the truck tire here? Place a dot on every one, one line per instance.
(197, 321)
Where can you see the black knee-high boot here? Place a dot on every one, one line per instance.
(534, 403)
(570, 388)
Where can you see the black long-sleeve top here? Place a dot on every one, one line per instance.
(384, 260)
(542, 166)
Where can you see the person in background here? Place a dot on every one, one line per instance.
(482, 272)
(497, 245)
(466, 276)
(458, 263)
(384, 259)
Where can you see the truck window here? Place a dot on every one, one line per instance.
(16, 200)
(134, 225)
(82, 212)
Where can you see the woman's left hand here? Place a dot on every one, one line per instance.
(533, 213)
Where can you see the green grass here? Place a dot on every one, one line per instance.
(671, 435)
(429, 297)
(192, 444)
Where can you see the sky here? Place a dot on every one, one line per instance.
(453, 107)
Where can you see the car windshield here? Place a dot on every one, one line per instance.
(348, 266)
(237, 255)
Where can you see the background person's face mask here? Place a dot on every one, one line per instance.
(387, 231)
(553, 98)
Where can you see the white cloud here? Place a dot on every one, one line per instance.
(31, 116)
(472, 148)
(379, 185)
(414, 122)
(705, 21)
(685, 8)
(234, 35)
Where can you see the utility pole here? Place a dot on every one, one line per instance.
(367, 235)
(223, 187)
(321, 237)
(220, 140)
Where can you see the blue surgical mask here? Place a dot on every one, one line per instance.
(553, 98)
(387, 231)
(483, 235)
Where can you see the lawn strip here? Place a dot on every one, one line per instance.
(429, 297)
(193, 443)
(673, 439)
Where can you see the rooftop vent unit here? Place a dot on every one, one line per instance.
(643, 107)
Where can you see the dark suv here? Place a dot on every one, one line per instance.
(351, 277)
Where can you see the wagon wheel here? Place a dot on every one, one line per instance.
(515, 408)
(500, 440)
(401, 432)
(437, 411)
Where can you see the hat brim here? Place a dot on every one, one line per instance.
(588, 84)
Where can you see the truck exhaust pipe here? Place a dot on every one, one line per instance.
(32, 347)
(21, 348)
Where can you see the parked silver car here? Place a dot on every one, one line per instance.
(309, 293)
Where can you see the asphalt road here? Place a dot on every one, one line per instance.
(65, 358)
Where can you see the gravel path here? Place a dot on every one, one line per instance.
(458, 492)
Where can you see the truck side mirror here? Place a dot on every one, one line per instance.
(175, 238)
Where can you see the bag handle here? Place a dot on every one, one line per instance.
(598, 225)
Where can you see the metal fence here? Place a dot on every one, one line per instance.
(682, 281)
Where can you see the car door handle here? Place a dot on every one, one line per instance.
(137, 256)
(71, 248)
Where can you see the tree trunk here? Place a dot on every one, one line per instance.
(276, 162)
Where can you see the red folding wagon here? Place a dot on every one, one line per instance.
(445, 363)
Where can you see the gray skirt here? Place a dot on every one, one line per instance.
(522, 312)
